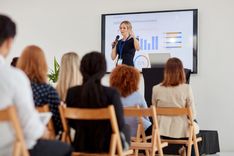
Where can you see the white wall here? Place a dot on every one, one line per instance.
(59, 26)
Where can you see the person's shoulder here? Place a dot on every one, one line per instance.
(130, 40)
(185, 86)
(49, 87)
(13, 78)
(75, 89)
(136, 94)
(17, 74)
(109, 89)
(157, 86)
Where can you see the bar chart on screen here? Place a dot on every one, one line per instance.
(148, 44)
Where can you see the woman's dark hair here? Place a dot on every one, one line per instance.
(14, 61)
(93, 68)
(7, 28)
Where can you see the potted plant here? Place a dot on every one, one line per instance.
(53, 73)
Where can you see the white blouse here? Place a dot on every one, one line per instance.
(15, 89)
(178, 96)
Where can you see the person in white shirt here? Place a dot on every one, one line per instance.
(15, 90)
(174, 92)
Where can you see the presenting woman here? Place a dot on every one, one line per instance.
(125, 48)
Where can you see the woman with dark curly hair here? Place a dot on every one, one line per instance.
(126, 80)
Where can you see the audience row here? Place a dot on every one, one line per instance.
(79, 86)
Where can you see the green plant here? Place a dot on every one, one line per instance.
(53, 73)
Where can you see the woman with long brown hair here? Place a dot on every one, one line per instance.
(174, 92)
(33, 62)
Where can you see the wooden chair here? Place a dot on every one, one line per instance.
(9, 114)
(140, 142)
(50, 125)
(94, 114)
(192, 139)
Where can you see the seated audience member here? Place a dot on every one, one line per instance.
(14, 61)
(126, 80)
(15, 90)
(33, 62)
(94, 136)
(174, 92)
(69, 74)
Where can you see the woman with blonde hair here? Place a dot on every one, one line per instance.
(124, 49)
(174, 92)
(69, 74)
(33, 62)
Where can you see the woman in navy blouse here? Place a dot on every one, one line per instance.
(32, 61)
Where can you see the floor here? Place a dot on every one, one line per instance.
(223, 154)
(218, 154)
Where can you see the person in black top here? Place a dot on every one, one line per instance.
(125, 48)
(94, 136)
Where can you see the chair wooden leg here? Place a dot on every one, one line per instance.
(17, 149)
(195, 145)
(144, 140)
(113, 144)
(63, 138)
(189, 149)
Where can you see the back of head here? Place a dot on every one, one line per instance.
(93, 68)
(33, 62)
(173, 73)
(128, 24)
(14, 61)
(69, 73)
(7, 28)
(125, 79)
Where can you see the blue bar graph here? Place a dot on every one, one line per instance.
(141, 43)
(147, 45)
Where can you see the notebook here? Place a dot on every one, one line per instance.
(45, 117)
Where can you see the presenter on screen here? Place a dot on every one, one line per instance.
(125, 48)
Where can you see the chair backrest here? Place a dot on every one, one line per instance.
(139, 142)
(9, 114)
(50, 125)
(175, 111)
(93, 114)
(187, 112)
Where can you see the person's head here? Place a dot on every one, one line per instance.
(7, 34)
(125, 79)
(33, 62)
(69, 73)
(125, 28)
(173, 73)
(14, 61)
(93, 68)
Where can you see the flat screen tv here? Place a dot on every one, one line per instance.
(170, 31)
